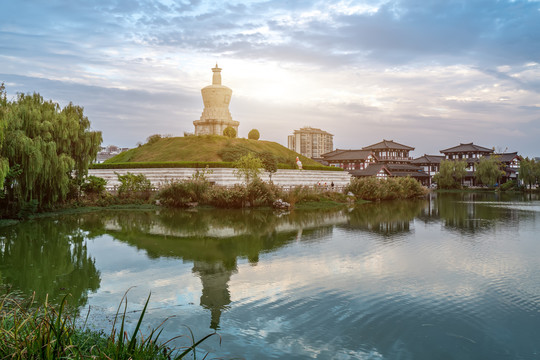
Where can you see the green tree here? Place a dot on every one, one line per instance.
(450, 174)
(536, 172)
(248, 167)
(52, 146)
(229, 132)
(254, 134)
(529, 171)
(4, 164)
(269, 162)
(488, 171)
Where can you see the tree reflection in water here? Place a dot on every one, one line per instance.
(386, 218)
(50, 256)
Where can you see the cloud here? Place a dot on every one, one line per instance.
(124, 116)
(404, 69)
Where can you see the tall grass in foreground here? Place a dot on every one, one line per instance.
(28, 331)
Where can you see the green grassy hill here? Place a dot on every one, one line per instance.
(206, 148)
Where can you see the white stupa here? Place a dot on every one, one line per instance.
(216, 115)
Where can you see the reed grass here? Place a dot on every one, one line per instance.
(29, 331)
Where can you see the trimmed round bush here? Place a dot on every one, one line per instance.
(254, 134)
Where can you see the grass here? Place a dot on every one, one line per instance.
(28, 331)
(202, 148)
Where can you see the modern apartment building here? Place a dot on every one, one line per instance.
(311, 142)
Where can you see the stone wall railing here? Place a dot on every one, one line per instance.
(225, 177)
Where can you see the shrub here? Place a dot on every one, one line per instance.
(371, 188)
(364, 188)
(254, 134)
(177, 194)
(153, 138)
(229, 132)
(27, 209)
(180, 194)
(233, 197)
(228, 156)
(131, 185)
(508, 186)
(301, 193)
(260, 193)
(93, 185)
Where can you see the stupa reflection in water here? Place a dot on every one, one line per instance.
(214, 241)
(215, 288)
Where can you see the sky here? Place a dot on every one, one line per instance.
(430, 74)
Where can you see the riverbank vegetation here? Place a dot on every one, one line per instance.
(30, 331)
(371, 188)
(256, 193)
(489, 171)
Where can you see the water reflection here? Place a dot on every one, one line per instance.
(212, 240)
(386, 218)
(51, 256)
(473, 212)
(48, 257)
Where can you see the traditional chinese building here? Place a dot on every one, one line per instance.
(216, 116)
(349, 159)
(390, 152)
(509, 164)
(471, 154)
(388, 159)
(468, 152)
(378, 170)
(430, 163)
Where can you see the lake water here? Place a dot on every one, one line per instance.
(454, 276)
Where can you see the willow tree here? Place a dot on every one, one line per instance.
(488, 170)
(451, 174)
(52, 147)
(4, 164)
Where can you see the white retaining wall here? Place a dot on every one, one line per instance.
(222, 176)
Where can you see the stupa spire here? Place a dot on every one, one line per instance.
(216, 78)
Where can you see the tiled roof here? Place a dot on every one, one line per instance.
(406, 170)
(332, 153)
(507, 157)
(403, 167)
(470, 147)
(428, 159)
(416, 174)
(510, 170)
(349, 155)
(388, 144)
(371, 170)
